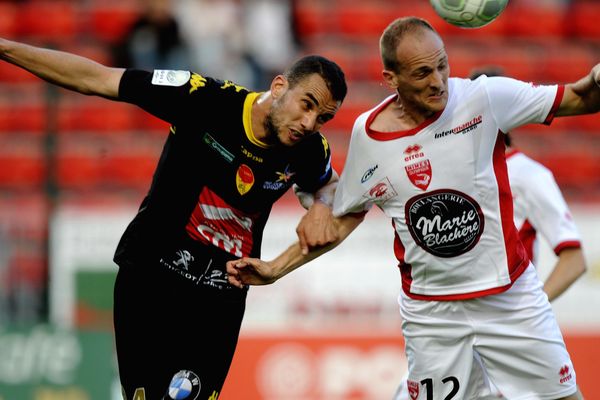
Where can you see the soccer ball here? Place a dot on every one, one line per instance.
(469, 13)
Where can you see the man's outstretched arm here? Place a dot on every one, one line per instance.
(67, 70)
(252, 271)
(316, 228)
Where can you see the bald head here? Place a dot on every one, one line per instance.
(393, 35)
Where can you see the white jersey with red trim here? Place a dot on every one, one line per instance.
(539, 206)
(445, 186)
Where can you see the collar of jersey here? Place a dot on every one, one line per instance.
(247, 119)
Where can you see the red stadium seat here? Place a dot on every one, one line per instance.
(12, 74)
(133, 170)
(49, 21)
(8, 19)
(97, 115)
(110, 22)
(78, 171)
(22, 162)
(539, 21)
(313, 18)
(584, 18)
(28, 117)
(567, 63)
(359, 19)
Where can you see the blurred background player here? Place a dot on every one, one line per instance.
(539, 208)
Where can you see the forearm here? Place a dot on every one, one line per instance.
(583, 96)
(293, 257)
(569, 267)
(63, 69)
(324, 195)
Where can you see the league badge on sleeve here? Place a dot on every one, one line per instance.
(163, 77)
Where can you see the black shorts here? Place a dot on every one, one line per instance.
(177, 323)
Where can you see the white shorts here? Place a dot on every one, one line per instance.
(514, 333)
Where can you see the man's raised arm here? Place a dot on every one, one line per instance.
(64, 69)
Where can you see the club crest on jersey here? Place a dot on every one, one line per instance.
(413, 389)
(419, 174)
(184, 385)
(445, 222)
(244, 179)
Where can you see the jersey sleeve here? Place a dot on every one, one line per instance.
(515, 103)
(315, 161)
(350, 197)
(173, 96)
(548, 210)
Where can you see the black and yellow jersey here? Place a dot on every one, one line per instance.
(215, 181)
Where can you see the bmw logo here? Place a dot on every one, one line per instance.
(184, 385)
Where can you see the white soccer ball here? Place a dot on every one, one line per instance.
(469, 13)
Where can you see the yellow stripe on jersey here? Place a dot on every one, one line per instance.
(247, 119)
(325, 145)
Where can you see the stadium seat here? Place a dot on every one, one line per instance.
(77, 171)
(26, 117)
(312, 18)
(109, 22)
(22, 162)
(96, 115)
(8, 19)
(49, 22)
(584, 17)
(131, 170)
(12, 74)
(567, 63)
(359, 19)
(539, 21)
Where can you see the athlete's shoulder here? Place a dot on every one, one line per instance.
(315, 145)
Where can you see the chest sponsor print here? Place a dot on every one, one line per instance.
(244, 179)
(215, 222)
(445, 222)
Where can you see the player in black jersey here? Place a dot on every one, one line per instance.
(230, 154)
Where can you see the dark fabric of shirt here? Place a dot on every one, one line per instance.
(206, 147)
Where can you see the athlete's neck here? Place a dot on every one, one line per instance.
(260, 110)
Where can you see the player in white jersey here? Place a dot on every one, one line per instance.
(539, 207)
(431, 156)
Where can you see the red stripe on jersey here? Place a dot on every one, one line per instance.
(515, 252)
(527, 234)
(464, 296)
(405, 269)
(557, 100)
(383, 136)
(571, 244)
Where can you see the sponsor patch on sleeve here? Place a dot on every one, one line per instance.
(167, 77)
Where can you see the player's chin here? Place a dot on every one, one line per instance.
(436, 103)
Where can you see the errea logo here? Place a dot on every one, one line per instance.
(565, 374)
(413, 152)
(462, 128)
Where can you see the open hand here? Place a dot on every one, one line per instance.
(249, 271)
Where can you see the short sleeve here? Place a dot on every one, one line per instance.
(515, 103)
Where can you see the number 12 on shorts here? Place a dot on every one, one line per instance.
(413, 388)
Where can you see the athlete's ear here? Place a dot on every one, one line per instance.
(390, 78)
(278, 86)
